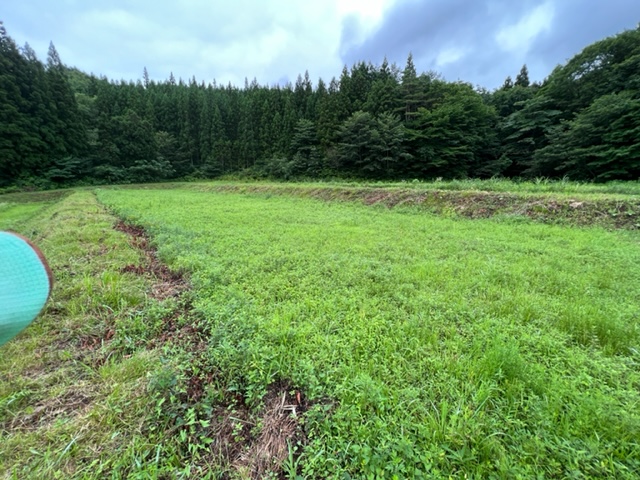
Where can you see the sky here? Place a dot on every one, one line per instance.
(477, 41)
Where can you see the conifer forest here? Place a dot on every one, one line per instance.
(60, 126)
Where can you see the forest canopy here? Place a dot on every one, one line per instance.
(60, 126)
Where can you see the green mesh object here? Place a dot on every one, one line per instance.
(25, 284)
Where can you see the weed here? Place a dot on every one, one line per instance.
(449, 347)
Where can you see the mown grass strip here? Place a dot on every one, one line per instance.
(71, 404)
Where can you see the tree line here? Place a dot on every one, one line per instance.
(60, 126)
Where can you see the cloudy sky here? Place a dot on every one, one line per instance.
(479, 41)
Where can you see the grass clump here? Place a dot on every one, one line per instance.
(427, 346)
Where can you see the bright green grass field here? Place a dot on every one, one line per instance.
(13, 213)
(433, 346)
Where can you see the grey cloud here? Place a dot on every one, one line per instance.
(351, 31)
(429, 27)
(578, 23)
(280, 38)
(427, 24)
(209, 39)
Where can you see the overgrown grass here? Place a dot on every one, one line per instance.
(428, 346)
(431, 346)
(17, 208)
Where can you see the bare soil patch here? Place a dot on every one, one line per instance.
(68, 404)
(166, 283)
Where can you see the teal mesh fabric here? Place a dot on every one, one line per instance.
(24, 285)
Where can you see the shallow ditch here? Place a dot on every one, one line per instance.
(253, 444)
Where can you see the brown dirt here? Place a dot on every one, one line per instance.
(166, 283)
(70, 403)
(280, 431)
(255, 445)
